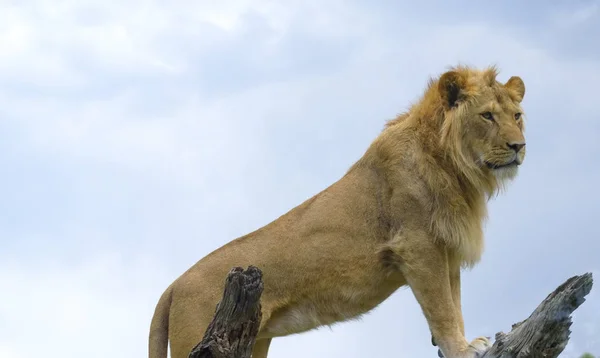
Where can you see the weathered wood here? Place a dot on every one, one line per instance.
(232, 332)
(545, 333)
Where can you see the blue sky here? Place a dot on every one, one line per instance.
(138, 136)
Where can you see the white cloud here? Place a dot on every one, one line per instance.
(45, 40)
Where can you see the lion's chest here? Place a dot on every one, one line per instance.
(461, 230)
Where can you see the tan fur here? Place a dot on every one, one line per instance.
(409, 212)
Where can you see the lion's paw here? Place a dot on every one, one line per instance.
(480, 345)
(476, 349)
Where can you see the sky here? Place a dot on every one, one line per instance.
(138, 136)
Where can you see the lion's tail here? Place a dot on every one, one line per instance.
(159, 328)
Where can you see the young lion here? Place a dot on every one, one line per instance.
(409, 212)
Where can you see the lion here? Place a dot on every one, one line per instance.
(410, 212)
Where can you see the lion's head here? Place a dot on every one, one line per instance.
(464, 137)
(482, 124)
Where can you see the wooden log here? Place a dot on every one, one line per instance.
(232, 332)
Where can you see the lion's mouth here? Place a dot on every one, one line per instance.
(493, 166)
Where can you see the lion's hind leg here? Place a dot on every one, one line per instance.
(261, 348)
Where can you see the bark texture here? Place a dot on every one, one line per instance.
(545, 333)
(232, 332)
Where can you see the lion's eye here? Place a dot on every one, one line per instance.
(517, 116)
(488, 115)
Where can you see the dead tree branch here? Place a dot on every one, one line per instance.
(545, 333)
(232, 332)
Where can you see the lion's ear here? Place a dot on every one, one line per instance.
(517, 88)
(451, 87)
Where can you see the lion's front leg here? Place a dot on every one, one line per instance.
(455, 286)
(427, 269)
(454, 267)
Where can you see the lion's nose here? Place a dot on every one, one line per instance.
(516, 146)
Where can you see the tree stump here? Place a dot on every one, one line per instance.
(232, 332)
